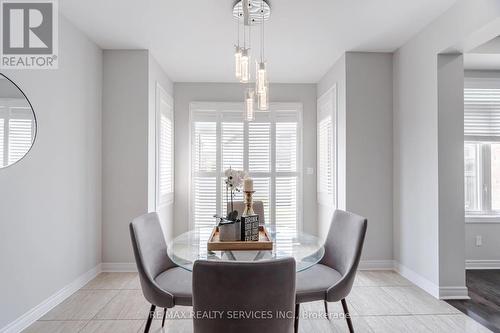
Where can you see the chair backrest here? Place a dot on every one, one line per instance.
(150, 251)
(344, 244)
(263, 289)
(258, 208)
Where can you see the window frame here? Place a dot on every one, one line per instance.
(166, 198)
(329, 98)
(234, 112)
(485, 214)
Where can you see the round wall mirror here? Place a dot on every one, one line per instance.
(17, 123)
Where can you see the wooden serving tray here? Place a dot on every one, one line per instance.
(264, 243)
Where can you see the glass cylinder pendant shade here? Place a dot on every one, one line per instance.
(249, 102)
(245, 66)
(237, 62)
(261, 77)
(263, 99)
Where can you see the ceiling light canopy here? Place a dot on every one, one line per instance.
(247, 14)
(255, 13)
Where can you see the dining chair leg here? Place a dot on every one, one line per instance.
(297, 314)
(326, 310)
(151, 314)
(164, 316)
(347, 315)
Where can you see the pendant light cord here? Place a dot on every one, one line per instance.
(262, 32)
(238, 29)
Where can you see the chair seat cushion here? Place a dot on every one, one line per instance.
(178, 282)
(313, 283)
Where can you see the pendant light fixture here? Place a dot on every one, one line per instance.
(237, 62)
(245, 66)
(245, 55)
(237, 51)
(249, 105)
(251, 12)
(261, 80)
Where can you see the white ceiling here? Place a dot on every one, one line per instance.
(193, 40)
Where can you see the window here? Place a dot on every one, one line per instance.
(482, 147)
(17, 130)
(164, 148)
(326, 149)
(269, 149)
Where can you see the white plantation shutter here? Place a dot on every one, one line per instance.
(205, 147)
(20, 138)
(482, 109)
(232, 146)
(286, 147)
(262, 188)
(286, 213)
(204, 174)
(326, 143)
(325, 156)
(286, 201)
(259, 162)
(17, 130)
(205, 202)
(259, 147)
(267, 148)
(164, 148)
(166, 155)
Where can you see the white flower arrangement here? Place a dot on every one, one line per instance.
(234, 180)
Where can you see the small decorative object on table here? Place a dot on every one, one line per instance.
(249, 220)
(230, 226)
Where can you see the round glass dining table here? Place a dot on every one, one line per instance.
(306, 249)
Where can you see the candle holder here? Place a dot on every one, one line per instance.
(249, 220)
(248, 204)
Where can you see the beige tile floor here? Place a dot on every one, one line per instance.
(381, 301)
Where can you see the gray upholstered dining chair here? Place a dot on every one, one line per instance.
(258, 208)
(263, 289)
(163, 283)
(332, 278)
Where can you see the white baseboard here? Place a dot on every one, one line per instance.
(459, 292)
(376, 265)
(417, 279)
(119, 267)
(453, 293)
(482, 264)
(41, 309)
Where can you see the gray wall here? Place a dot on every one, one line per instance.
(490, 250)
(364, 83)
(417, 187)
(184, 93)
(125, 154)
(369, 148)
(451, 167)
(50, 202)
(129, 85)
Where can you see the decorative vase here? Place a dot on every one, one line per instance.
(230, 232)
